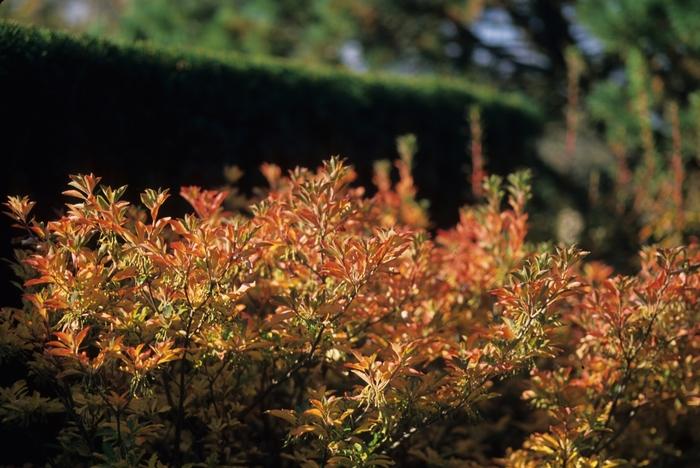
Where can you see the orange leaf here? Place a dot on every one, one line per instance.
(60, 352)
(73, 193)
(313, 412)
(80, 337)
(128, 272)
(287, 415)
(40, 280)
(303, 429)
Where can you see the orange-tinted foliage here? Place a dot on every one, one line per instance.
(329, 329)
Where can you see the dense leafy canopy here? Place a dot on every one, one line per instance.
(178, 340)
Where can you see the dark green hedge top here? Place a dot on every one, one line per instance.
(36, 44)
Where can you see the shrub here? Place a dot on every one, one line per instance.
(326, 328)
(633, 372)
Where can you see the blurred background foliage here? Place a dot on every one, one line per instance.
(517, 43)
(616, 79)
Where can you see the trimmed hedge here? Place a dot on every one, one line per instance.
(158, 117)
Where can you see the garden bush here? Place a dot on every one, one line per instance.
(319, 326)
